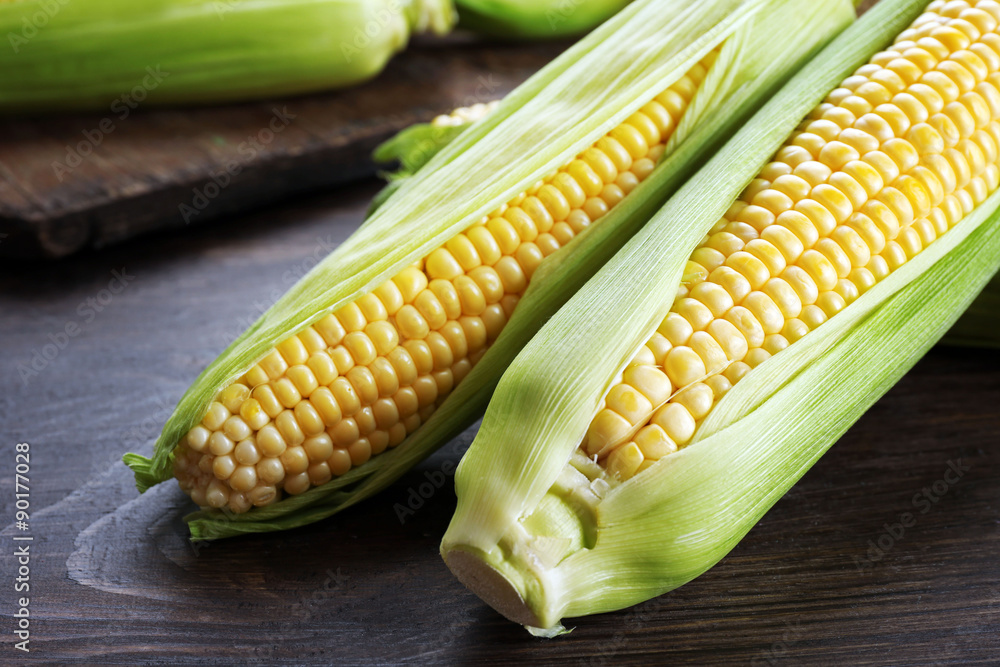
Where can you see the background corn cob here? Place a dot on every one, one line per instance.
(342, 317)
(859, 244)
(90, 53)
(528, 19)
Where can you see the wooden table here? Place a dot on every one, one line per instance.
(114, 581)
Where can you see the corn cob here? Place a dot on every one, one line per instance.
(894, 158)
(530, 19)
(847, 256)
(361, 379)
(100, 54)
(392, 344)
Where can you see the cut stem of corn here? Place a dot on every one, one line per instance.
(581, 493)
(383, 351)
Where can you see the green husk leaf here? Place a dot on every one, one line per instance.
(674, 521)
(411, 148)
(117, 53)
(537, 128)
(535, 19)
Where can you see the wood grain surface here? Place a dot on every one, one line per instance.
(114, 581)
(72, 181)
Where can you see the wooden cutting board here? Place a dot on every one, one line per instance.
(88, 180)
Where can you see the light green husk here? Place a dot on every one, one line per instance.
(92, 54)
(541, 533)
(535, 19)
(540, 126)
(412, 148)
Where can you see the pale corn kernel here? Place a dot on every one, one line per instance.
(330, 329)
(628, 402)
(232, 397)
(256, 376)
(360, 451)
(274, 365)
(654, 443)
(270, 442)
(607, 428)
(246, 452)
(322, 367)
(719, 385)
(271, 470)
(215, 416)
(262, 495)
(729, 339)
(736, 372)
(757, 356)
(420, 355)
(684, 366)
(297, 483)
(318, 448)
(197, 438)
(489, 283)
(676, 421)
(624, 461)
(289, 428)
(794, 329)
(698, 399)
(223, 467)
(747, 324)
(390, 296)
(676, 329)
(243, 478)
(295, 460)
(650, 381)
(219, 444)
(303, 379)
(308, 418)
(339, 462)
(312, 340)
(695, 312)
(347, 397)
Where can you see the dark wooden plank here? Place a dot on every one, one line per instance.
(114, 581)
(68, 182)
